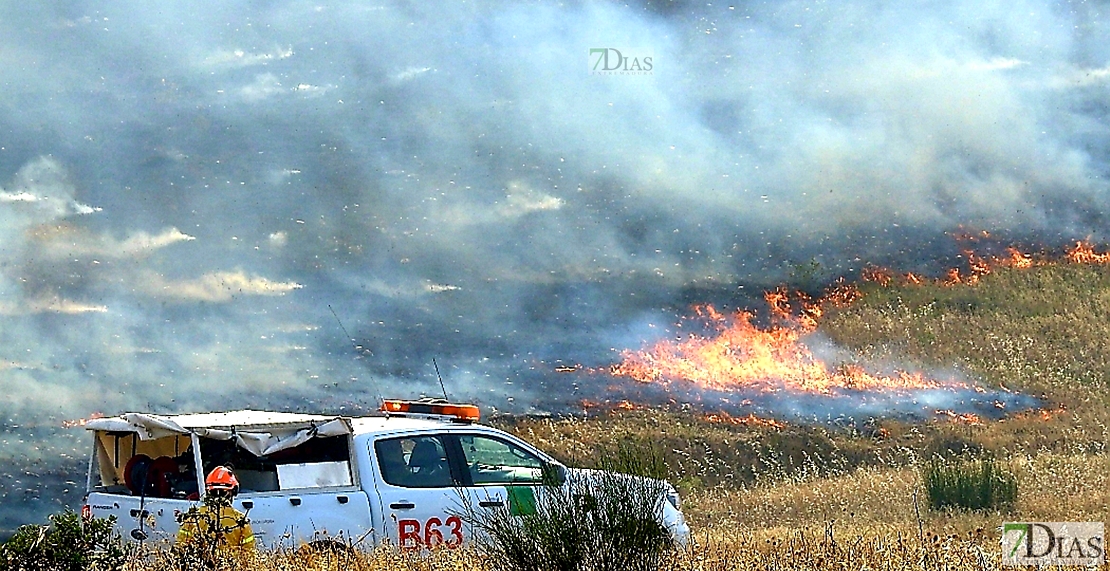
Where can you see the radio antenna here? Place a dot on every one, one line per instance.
(440, 377)
(358, 349)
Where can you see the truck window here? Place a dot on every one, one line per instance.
(414, 462)
(492, 461)
(158, 468)
(322, 455)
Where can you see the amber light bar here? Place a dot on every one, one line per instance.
(467, 412)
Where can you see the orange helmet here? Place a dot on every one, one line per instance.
(220, 478)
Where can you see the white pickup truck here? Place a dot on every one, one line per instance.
(306, 479)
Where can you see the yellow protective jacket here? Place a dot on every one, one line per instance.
(223, 524)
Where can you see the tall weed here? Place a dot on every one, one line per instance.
(969, 484)
(581, 520)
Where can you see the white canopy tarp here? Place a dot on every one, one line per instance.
(147, 426)
(259, 442)
(264, 443)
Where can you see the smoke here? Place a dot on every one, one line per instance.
(188, 188)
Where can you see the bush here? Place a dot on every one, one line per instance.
(589, 520)
(969, 484)
(68, 544)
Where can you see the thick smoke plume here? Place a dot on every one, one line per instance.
(188, 187)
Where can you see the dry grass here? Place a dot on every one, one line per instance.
(724, 550)
(158, 558)
(1041, 330)
(1053, 487)
(869, 496)
(829, 549)
(865, 519)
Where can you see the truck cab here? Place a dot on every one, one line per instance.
(401, 478)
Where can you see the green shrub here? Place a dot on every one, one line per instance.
(969, 484)
(67, 544)
(593, 520)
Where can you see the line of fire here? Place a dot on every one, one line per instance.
(770, 368)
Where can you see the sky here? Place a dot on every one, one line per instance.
(199, 201)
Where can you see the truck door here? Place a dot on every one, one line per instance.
(497, 473)
(418, 492)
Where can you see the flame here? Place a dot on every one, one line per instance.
(723, 417)
(877, 274)
(1084, 253)
(740, 356)
(978, 265)
(953, 277)
(81, 421)
(1018, 259)
(963, 418)
(1043, 414)
(735, 353)
(588, 405)
(841, 294)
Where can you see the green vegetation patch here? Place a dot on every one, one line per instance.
(69, 543)
(969, 484)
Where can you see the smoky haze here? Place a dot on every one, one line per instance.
(185, 188)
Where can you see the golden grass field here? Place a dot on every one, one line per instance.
(800, 497)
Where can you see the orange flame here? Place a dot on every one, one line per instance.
(1043, 414)
(587, 404)
(979, 265)
(81, 421)
(962, 418)
(738, 354)
(912, 278)
(742, 356)
(723, 417)
(1084, 253)
(840, 294)
(1018, 259)
(876, 274)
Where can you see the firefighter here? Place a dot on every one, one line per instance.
(216, 524)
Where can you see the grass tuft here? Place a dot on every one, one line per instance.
(969, 484)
